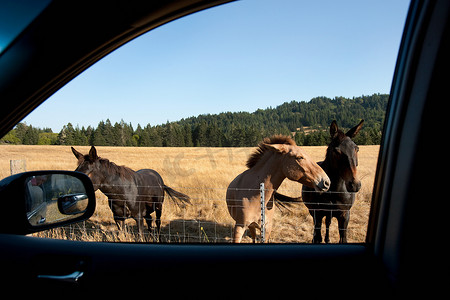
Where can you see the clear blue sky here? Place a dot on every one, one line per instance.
(237, 57)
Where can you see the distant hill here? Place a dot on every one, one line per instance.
(292, 117)
(307, 122)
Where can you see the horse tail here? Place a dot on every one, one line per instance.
(281, 200)
(175, 194)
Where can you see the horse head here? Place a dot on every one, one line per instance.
(298, 166)
(342, 154)
(89, 164)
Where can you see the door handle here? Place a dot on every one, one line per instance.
(69, 278)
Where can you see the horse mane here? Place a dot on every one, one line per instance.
(122, 171)
(262, 147)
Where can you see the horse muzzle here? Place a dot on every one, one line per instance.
(353, 186)
(323, 185)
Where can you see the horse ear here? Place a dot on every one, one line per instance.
(354, 131)
(77, 154)
(93, 154)
(333, 129)
(281, 148)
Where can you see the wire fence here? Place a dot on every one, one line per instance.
(207, 219)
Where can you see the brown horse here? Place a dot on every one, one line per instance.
(340, 164)
(275, 159)
(130, 194)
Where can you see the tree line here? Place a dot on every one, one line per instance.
(306, 122)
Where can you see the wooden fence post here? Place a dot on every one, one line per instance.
(18, 166)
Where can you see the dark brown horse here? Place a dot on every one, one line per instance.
(340, 164)
(130, 194)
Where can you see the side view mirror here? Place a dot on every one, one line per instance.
(41, 200)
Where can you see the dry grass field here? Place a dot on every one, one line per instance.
(203, 174)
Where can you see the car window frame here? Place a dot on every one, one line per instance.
(382, 248)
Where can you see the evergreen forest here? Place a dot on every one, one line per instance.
(306, 122)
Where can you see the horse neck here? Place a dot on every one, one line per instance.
(333, 174)
(111, 182)
(269, 171)
(326, 166)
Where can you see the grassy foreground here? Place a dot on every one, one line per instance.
(203, 174)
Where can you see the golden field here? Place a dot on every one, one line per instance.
(203, 174)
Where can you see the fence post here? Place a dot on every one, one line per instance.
(263, 212)
(17, 166)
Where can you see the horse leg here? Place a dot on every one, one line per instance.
(120, 222)
(238, 233)
(317, 219)
(148, 217)
(252, 229)
(140, 224)
(343, 219)
(149, 221)
(328, 218)
(158, 222)
(120, 212)
(268, 230)
(138, 216)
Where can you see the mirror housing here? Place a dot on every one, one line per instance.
(41, 200)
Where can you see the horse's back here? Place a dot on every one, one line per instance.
(149, 175)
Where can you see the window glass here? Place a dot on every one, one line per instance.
(188, 104)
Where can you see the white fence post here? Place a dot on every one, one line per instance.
(263, 212)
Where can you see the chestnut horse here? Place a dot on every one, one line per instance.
(341, 162)
(275, 159)
(130, 194)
